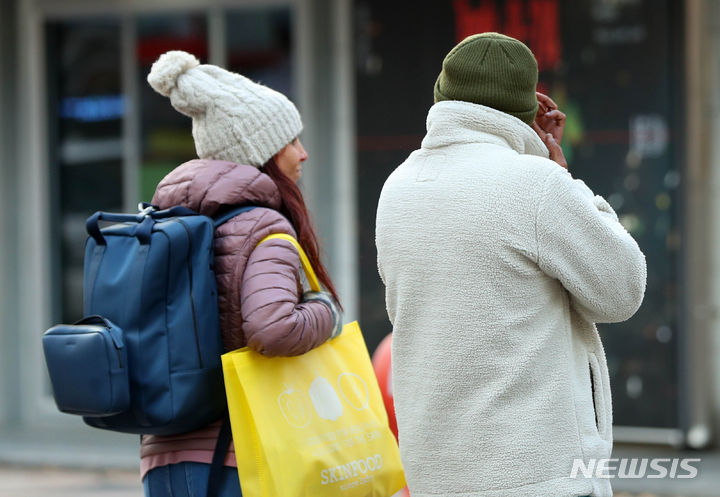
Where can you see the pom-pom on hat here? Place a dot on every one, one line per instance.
(233, 118)
(494, 70)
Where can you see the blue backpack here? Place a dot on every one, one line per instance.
(147, 359)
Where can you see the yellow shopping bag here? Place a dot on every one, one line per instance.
(312, 425)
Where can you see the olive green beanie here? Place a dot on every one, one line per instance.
(493, 70)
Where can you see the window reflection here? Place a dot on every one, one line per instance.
(86, 109)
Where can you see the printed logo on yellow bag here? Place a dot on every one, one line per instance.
(312, 425)
(295, 407)
(325, 400)
(354, 391)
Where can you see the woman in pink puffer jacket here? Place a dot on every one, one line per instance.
(246, 137)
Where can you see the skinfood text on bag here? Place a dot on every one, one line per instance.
(351, 469)
(346, 437)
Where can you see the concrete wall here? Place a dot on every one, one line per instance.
(711, 120)
(8, 214)
(329, 178)
(703, 220)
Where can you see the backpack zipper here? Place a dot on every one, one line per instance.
(192, 298)
(117, 351)
(113, 340)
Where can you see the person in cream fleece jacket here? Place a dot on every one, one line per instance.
(497, 265)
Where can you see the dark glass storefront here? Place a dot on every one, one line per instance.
(613, 69)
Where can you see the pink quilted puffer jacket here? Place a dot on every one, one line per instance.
(259, 289)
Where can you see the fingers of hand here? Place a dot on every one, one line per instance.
(552, 144)
(542, 108)
(556, 153)
(556, 115)
(545, 102)
(541, 133)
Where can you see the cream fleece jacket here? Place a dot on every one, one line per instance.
(497, 264)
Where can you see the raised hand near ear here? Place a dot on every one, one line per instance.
(549, 118)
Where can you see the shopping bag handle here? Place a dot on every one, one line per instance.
(309, 271)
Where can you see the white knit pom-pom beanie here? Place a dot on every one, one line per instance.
(233, 118)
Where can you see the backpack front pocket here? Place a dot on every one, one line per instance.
(87, 363)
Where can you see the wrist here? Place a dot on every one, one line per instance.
(332, 305)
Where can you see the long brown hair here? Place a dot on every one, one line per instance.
(293, 207)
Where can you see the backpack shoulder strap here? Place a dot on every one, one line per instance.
(223, 218)
(221, 448)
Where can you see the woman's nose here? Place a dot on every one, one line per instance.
(303, 153)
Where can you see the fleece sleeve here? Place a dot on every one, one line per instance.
(581, 243)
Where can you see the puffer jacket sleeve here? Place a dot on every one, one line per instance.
(276, 320)
(581, 243)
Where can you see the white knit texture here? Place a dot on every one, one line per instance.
(496, 264)
(168, 68)
(233, 118)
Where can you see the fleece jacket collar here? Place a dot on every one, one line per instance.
(454, 122)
